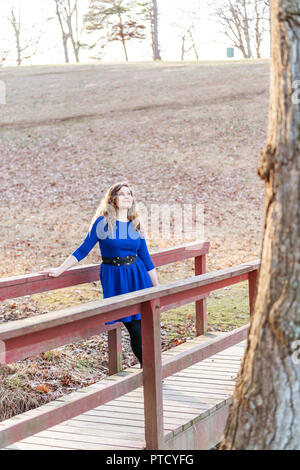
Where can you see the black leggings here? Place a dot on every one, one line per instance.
(135, 332)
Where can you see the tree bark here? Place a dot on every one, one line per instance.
(246, 29)
(155, 31)
(265, 412)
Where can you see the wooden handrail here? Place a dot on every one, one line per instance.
(18, 286)
(28, 284)
(148, 301)
(171, 294)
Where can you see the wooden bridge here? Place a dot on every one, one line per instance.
(133, 408)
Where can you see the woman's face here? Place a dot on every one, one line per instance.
(124, 198)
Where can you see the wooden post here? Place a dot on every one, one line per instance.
(152, 375)
(252, 280)
(200, 305)
(114, 338)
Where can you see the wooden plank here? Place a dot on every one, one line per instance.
(252, 286)
(129, 412)
(189, 381)
(26, 446)
(167, 402)
(117, 418)
(215, 368)
(215, 395)
(111, 434)
(200, 352)
(70, 444)
(91, 439)
(178, 385)
(200, 305)
(132, 402)
(139, 408)
(28, 284)
(134, 426)
(114, 340)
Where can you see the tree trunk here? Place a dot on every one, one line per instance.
(16, 24)
(265, 413)
(65, 44)
(182, 47)
(122, 37)
(155, 29)
(125, 50)
(247, 31)
(65, 35)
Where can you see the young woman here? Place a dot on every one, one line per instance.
(126, 263)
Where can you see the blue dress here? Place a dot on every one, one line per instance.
(125, 240)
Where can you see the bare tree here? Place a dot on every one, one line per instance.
(25, 47)
(233, 16)
(244, 22)
(186, 30)
(71, 25)
(114, 16)
(265, 413)
(261, 17)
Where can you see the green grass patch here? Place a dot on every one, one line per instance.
(227, 308)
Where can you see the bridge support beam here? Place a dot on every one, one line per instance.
(152, 375)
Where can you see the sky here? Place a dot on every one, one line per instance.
(173, 16)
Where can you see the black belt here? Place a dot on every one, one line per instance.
(118, 261)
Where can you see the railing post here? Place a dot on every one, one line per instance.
(200, 305)
(114, 340)
(152, 375)
(252, 281)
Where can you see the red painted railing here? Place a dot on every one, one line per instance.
(27, 337)
(20, 346)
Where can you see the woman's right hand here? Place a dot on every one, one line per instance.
(53, 272)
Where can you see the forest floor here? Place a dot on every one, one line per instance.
(179, 133)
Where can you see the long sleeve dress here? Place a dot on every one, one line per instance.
(125, 240)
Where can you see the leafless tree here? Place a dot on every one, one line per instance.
(243, 22)
(25, 47)
(71, 24)
(186, 28)
(261, 18)
(265, 412)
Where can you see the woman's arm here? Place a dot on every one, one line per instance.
(153, 277)
(81, 252)
(143, 253)
(67, 264)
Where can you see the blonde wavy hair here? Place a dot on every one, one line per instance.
(108, 208)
